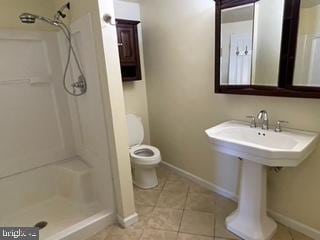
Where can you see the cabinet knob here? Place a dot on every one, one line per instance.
(120, 44)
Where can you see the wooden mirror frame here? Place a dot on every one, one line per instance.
(285, 86)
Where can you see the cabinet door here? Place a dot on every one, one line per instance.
(127, 44)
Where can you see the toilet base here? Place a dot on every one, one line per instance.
(145, 177)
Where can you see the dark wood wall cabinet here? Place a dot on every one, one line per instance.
(128, 44)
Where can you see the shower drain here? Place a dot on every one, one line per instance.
(41, 225)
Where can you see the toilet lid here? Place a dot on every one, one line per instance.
(135, 130)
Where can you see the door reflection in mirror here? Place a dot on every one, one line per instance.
(251, 37)
(236, 45)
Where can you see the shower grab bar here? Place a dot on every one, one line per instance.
(27, 80)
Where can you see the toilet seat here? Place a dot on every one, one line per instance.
(141, 154)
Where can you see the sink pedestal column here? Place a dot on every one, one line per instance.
(250, 220)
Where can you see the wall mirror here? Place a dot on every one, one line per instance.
(268, 47)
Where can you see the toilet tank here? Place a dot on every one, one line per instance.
(135, 130)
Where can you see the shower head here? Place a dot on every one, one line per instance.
(81, 84)
(28, 18)
(31, 18)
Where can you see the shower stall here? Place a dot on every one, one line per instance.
(55, 170)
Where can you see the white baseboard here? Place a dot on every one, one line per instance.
(128, 221)
(295, 225)
(202, 182)
(291, 223)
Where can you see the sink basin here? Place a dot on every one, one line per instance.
(258, 149)
(278, 149)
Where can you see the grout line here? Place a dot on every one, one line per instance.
(141, 234)
(291, 234)
(183, 210)
(161, 190)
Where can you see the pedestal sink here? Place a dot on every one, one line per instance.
(258, 149)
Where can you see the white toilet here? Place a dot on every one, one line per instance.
(144, 158)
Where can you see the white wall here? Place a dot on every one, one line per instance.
(112, 90)
(135, 95)
(179, 45)
(11, 9)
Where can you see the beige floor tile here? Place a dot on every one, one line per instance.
(176, 177)
(151, 234)
(101, 235)
(146, 197)
(283, 233)
(221, 231)
(144, 210)
(196, 188)
(222, 212)
(197, 223)
(184, 236)
(163, 172)
(141, 224)
(169, 198)
(144, 213)
(165, 219)
(117, 233)
(225, 202)
(176, 186)
(223, 206)
(299, 236)
(200, 202)
(161, 182)
(174, 200)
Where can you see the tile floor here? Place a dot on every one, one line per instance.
(179, 209)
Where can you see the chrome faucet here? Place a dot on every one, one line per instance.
(263, 116)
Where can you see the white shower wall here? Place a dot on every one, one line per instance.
(41, 126)
(35, 122)
(87, 112)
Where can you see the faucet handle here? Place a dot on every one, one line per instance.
(253, 121)
(278, 125)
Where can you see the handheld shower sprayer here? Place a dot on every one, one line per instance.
(79, 87)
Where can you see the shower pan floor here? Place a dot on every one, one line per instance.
(58, 212)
